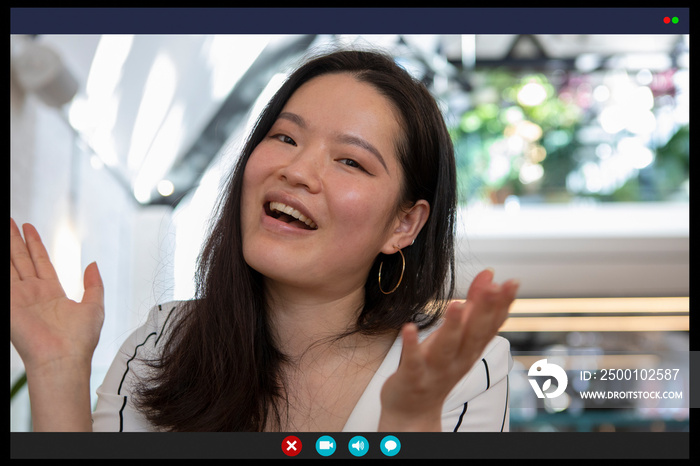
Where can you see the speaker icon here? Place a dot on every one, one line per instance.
(358, 445)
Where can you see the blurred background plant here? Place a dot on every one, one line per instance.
(561, 136)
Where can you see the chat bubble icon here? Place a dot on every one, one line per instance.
(390, 445)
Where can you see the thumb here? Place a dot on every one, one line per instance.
(92, 282)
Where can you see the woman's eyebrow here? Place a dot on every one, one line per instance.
(363, 144)
(343, 138)
(294, 118)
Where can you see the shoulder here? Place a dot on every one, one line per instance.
(160, 315)
(492, 366)
(115, 409)
(152, 332)
(480, 400)
(161, 320)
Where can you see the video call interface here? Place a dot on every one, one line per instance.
(575, 392)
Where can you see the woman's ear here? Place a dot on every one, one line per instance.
(408, 224)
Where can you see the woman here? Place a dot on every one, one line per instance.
(330, 261)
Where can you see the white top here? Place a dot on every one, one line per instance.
(479, 402)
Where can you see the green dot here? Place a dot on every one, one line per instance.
(675, 20)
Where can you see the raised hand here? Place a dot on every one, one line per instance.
(46, 324)
(412, 398)
(54, 335)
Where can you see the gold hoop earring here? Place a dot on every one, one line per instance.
(403, 267)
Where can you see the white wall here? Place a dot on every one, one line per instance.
(83, 214)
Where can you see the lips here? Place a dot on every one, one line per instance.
(290, 215)
(285, 212)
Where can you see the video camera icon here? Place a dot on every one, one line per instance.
(325, 445)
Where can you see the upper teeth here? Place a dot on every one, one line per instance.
(279, 207)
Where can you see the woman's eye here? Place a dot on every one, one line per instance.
(285, 139)
(352, 163)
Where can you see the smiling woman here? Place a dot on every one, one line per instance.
(291, 328)
(316, 160)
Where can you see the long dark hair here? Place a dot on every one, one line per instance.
(220, 367)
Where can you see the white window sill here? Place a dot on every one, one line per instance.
(605, 250)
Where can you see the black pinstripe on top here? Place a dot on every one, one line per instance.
(505, 409)
(488, 385)
(136, 349)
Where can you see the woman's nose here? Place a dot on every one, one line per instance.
(304, 170)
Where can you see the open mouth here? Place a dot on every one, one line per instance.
(289, 215)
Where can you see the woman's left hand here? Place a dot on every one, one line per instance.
(413, 396)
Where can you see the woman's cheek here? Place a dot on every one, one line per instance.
(363, 204)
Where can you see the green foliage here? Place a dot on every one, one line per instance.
(500, 134)
(522, 137)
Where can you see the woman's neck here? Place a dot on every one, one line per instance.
(300, 318)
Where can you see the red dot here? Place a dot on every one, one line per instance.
(291, 446)
(667, 20)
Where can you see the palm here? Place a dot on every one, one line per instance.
(45, 324)
(428, 371)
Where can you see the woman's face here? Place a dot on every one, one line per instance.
(329, 160)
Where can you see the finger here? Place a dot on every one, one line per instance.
(510, 291)
(511, 288)
(480, 284)
(446, 340)
(37, 251)
(462, 310)
(92, 282)
(500, 297)
(490, 308)
(410, 353)
(14, 276)
(20, 259)
(502, 303)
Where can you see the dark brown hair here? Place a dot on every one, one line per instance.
(219, 369)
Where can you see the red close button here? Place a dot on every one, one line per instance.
(291, 446)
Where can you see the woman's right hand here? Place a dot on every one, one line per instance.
(47, 328)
